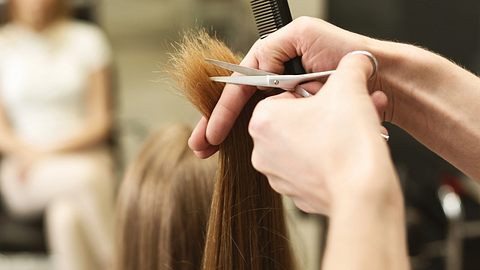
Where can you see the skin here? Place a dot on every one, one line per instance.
(331, 140)
(34, 14)
(353, 167)
(98, 122)
(266, 55)
(426, 94)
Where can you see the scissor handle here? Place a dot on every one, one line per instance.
(291, 81)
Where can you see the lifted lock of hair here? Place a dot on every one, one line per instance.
(246, 229)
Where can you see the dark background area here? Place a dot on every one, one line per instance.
(451, 28)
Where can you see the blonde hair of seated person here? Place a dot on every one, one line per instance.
(164, 205)
(246, 229)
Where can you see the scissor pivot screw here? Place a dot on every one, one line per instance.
(276, 82)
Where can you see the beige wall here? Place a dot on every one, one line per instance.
(141, 32)
(312, 8)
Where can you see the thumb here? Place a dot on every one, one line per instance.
(352, 74)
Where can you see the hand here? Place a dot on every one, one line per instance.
(27, 159)
(321, 46)
(326, 151)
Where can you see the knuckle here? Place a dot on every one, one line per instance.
(303, 24)
(302, 20)
(257, 162)
(261, 119)
(259, 47)
(303, 206)
(277, 186)
(358, 64)
(254, 51)
(270, 55)
(263, 54)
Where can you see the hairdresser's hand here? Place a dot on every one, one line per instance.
(326, 151)
(321, 46)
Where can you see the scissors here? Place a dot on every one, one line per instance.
(260, 78)
(256, 77)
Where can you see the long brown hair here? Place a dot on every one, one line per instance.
(246, 229)
(164, 205)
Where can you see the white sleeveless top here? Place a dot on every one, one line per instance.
(44, 78)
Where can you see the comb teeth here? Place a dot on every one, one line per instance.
(271, 15)
(267, 16)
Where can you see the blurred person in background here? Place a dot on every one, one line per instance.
(55, 117)
(164, 205)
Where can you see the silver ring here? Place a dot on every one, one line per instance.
(302, 92)
(372, 59)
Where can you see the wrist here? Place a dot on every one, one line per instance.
(375, 187)
(373, 214)
(406, 75)
(361, 231)
(365, 209)
(368, 218)
(428, 94)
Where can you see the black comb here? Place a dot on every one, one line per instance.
(271, 15)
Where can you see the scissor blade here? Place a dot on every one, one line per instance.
(243, 80)
(236, 68)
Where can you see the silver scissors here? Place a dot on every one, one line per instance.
(256, 77)
(260, 78)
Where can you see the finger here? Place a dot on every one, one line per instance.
(206, 153)
(284, 95)
(296, 39)
(267, 54)
(352, 74)
(280, 185)
(21, 175)
(380, 101)
(228, 108)
(312, 87)
(198, 143)
(307, 207)
(275, 50)
(384, 132)
(197, 140)
(230, 104)
(23, 172)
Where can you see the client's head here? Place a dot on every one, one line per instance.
(164, 205)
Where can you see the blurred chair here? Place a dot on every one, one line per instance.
(459, 200)
(21, 236)
(453, 209)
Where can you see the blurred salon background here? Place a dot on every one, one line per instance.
(443, 206)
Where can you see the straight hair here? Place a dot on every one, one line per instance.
(164, 205)
(246, 228)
